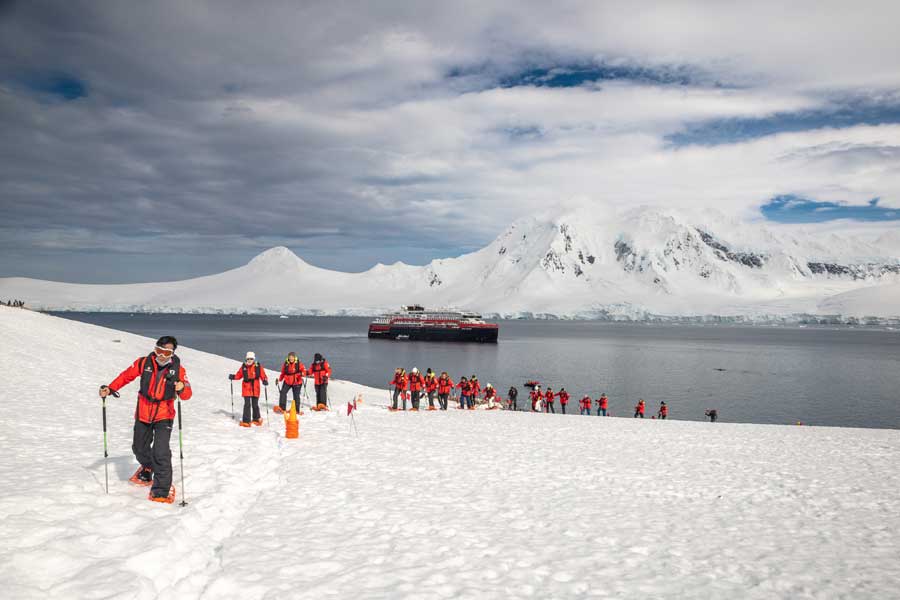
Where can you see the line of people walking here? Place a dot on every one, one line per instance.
(293, 379)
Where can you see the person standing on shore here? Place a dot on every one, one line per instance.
(585, 405)
(416, 385)
(445, 386)
(512, 395)
(663, 410)
(162, 379)
(475, 389)
(639, 409)
(563, 399)
(713, 414)
(400, 383)
(252, 374)
(536, 398)
(321, 373)
(291, 378)
(464, 390)
(430, 387)
(548, 401)
(602, 404)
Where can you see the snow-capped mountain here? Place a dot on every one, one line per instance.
(643, 263)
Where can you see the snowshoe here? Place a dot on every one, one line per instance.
(321, 407)
(392, 409)
(278, 410)
(257, 422)
(245, 424)
(166, 499)
(431, 408)
(143, 476)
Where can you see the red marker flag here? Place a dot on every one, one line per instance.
(350, 408)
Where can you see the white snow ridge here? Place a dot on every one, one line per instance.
(483, 504)
(640, 264)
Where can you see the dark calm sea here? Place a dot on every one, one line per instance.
(816, 375)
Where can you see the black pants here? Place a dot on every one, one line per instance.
(415, 395)
(251, 402)
(563, 408)
(512, 403)
(443, 399)
(551, 408)
(431, 399)
(151, 448)
(399, 395)
(282, 400)
(322, 393)
(638, 413)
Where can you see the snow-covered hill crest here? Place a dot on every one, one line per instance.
(645, 262)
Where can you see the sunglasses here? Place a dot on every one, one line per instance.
(163, 351)
(250, 360)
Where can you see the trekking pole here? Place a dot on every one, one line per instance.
(266, 390)
(232, 399)
(105, 444)
(181, 454)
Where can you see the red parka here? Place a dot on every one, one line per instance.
(292, 372)
(639, 407)
(445, 385)
(465, 388)
(321, 371)
(252, 375)
(416, 382)
(400, 382)
(148, 411)
(664, 410)
(474, 387)
(563, 397)
(431, 384)
(548, 396)
(604, 402)
(586, 402)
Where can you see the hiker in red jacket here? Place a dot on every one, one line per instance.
(475, 389)
(602, 404)
(548, 401)
(585, 405)
(445, 387)
(491, 397)
(416, 385)
(563, 399)
(663, 410)
(639, 409)
(252, 374)
(162, 379)
(536, 397)
(292, 372)
(400, 383)
(431, 386)
(320, 371)
(464, 390)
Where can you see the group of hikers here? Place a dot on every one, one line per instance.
(292, 377)
(163, 381)
(413, 386)
(15, 303)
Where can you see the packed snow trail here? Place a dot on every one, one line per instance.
(422, 505)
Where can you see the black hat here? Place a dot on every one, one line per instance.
(167, 339)
(318, 357)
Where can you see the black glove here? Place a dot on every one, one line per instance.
(266, 382)
(231, 376)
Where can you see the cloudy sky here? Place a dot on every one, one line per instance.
(160, 140)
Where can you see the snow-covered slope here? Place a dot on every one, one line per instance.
(636, 264)
(428, 505)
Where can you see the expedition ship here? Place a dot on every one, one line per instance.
(443, 325)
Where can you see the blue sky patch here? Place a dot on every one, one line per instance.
(789, 208)
(59, 85)
(729, 131)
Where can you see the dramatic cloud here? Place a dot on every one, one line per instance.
(169, 139)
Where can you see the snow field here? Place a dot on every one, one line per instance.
(422, 505)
